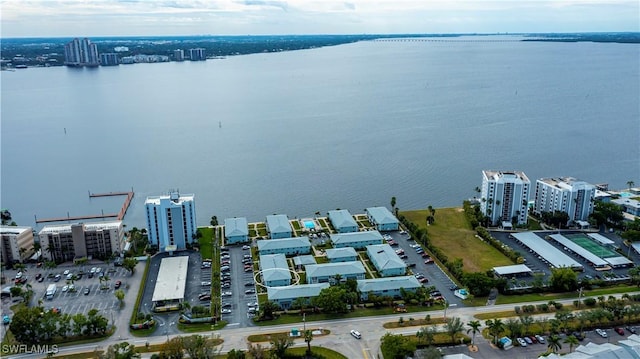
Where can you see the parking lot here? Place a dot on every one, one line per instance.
(236, 281)
(539, 265)
(486, 351)
(431, 271)
(76, 301)
(195, 277)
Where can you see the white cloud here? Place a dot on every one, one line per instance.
(182, 17)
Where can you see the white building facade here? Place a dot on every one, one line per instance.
(171, 220)
(565, 194)
(66, 242)
(504, 196)
(16, 244)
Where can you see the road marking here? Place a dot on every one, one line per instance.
(364, 353)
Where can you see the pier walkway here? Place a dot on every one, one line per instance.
(119, 216)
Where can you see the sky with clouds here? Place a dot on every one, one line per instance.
(70, 18)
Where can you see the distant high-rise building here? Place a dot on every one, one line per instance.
(178, 55)
(171, 220)
(109, 59)
(565, 194)
(505, 196)
(197, 54)
(81, 53)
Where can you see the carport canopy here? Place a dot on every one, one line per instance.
(547, 251)
(511, 270)
(172, 279)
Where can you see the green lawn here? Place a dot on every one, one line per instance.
(205, 242)
(320, 351)
(455, 238)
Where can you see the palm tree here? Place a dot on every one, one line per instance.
(393, 202)
(474, 327)
(571, 340)
(526, 321)
(308, 337)
(554, 343)
(454, 326)
(630, 184)
(496, 327)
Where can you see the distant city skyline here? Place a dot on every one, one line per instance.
(67, 18)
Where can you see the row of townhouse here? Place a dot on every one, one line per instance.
(381, 287)
(278, 226)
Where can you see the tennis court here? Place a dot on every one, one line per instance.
(591, 245)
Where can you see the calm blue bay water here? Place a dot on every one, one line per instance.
(338, 127)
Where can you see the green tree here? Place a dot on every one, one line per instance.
(526, 321)
(26, 325)
(496, 327)
(474, 328)
(279, 345)
(478, 283)
(196, 347)
(554, 343)
(214, 221)
(563, 279)
(607, 213)
(122, 350)
(130, 264)
(429, 353)
(308, 337)
(172, 349)
(256, 351)
(454, 326)
(332, 300)
(571, 340)
(236, 354)
(630, 184)
(396, 346)
(267, 310)
(426, 334)
(120, 296)
(79, 321)
(393, 202)
(514, 327)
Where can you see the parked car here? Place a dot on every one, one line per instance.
(632, 330)
(578, 336)
(57, 278)
(41, 279)
(65, 288)
(38, 276)
(226, 294)
(619, 330)
(423, 280)
(66, 272)
(248, 284)
(118, 284)
(204, 284)
(528, 340)
(245, 247)
(541, 339)
(225, 311)
(250, 291)
(204, 296)
(533, 339)
(601, 333)
(87, 291)
(521, 342)
(356, 334)
(6, 320)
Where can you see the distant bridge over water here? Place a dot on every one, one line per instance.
(454, 39)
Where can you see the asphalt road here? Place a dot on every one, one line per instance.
(341, 341)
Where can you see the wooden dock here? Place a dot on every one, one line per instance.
(119, 216)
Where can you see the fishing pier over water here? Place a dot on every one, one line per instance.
(119, 216)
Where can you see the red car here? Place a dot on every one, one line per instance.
(429, 260)
(619, 331)
(423, 280)
(118, 284)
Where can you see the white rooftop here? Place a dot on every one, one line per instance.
(389, 283)
(91, 226)
(296, 291)
(14, 229)
(172, 279)
(174, 197)
(544, 249)
(600, 238)
(513, 269)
